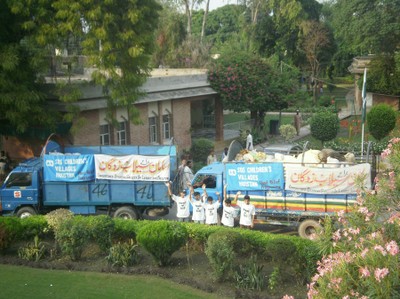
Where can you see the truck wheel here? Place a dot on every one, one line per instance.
(308, 229)
(25, 212)
(126, 213)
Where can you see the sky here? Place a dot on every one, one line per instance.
(218, 3)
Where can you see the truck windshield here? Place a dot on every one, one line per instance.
(19, 179)
(209, 180)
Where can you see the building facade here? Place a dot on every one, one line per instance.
(173, 105)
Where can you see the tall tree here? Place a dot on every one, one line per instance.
(115, 36)
(203, 26)
(21, 102)
(315, 45)
(246, 82)
(363, 27)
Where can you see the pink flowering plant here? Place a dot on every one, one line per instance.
(361, 248)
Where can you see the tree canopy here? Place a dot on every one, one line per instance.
(116, 36)
(363, 27)
(249, 83)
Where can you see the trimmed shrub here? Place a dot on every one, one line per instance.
(34, 226)
(324, 125)
(56, 217)
(161, 239)
(10, 231)
(201, 149)
(222, 251)
(287, 132)
(381, 119)
(280, 250)
(101, 230)
(125, 229)
(72, 236)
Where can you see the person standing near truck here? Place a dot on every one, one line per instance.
(211, 210)
(187, 175)
(228, 212)
(182, 203)
(247, 211)
(197, 202)
(249, 141)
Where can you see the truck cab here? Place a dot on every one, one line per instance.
(213, 177)
(21, 189)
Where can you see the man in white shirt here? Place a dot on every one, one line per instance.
(211, 210)
(249, 141)
(187, 174)
(197, 202)
(247, 211)
(182, 203)
(228, 214)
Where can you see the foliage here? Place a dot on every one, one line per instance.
(81, 28)
(21, 100)
(287, 132)
(72, 236)
(365, 247)
(33, 226)
(101, 229)
(250, 276)
(366, 26)
(161, 239)
(324, 125)
(383, 74)
(125, 229)
(222, 252)
(34, 251)
(57, 217)
(317, 46)
(381, 119)
(170, 34)
(123, 254)
(201, 149)
(281, 250)
(246, 82)
(274, 279)
(10, 231)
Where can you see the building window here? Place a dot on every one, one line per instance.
(121, 133)
(153, 129)
(104, 135)
(166, 127)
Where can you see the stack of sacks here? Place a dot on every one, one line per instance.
(310, 157)
(332, 162)
(350, 158)
(289, 159)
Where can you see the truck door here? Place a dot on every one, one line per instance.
(18, 190)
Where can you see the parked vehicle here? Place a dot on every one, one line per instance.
(287, 193)
(120, 181)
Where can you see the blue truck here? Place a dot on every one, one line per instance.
(292, 194)
(31, 189)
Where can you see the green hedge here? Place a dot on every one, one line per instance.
(77, 232)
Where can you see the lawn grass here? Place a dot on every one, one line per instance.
(24, 282)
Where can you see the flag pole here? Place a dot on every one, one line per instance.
(364, 110)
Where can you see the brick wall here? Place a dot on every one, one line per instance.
(139, 134)
(88, 134)
(382, 99)
(181, 124)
